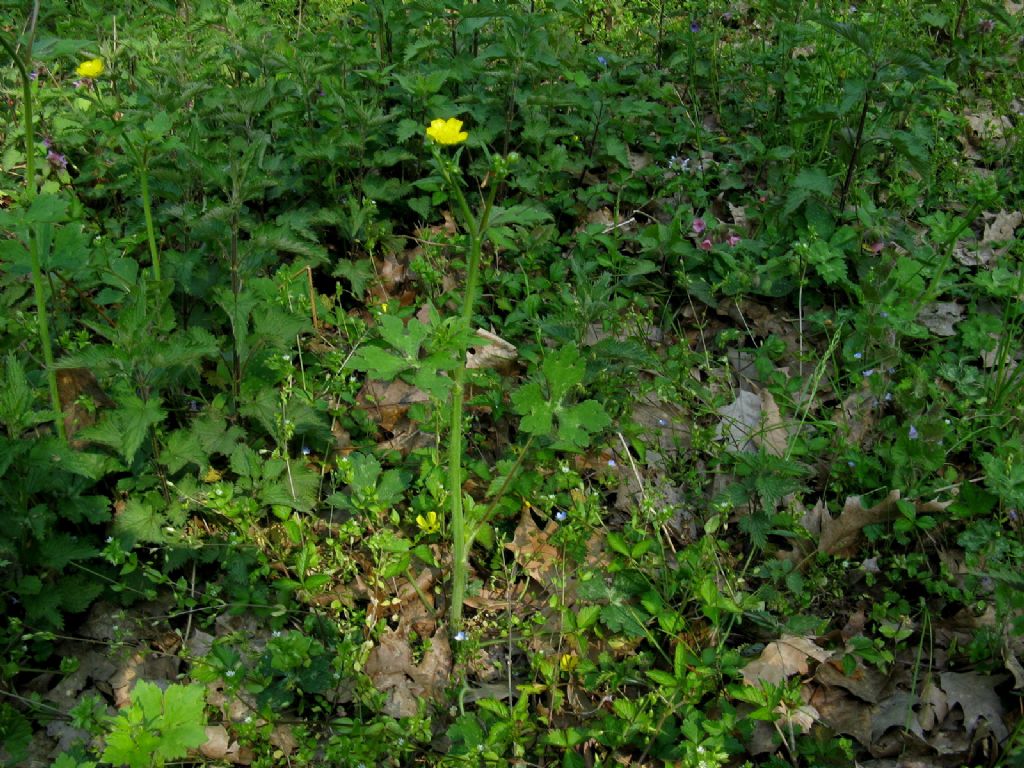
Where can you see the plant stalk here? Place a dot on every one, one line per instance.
(42, 317)
(462, 539)
(147, 212)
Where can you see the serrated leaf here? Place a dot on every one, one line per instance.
(140, 522)
(158, 726)
(563, 371)
(523, 215)
(378, 363)
(577, 423)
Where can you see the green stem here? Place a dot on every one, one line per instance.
(147, 211)
(33, 244)
(461, 538)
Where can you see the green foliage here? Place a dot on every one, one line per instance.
(252, 261)
(158, 726)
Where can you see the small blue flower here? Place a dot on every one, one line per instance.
(602, 61)
(912, 432)
(851, 463)
(306, 450)
(883, 313)
(662, 422)
(460, 636)
(858, 355)
(561, 515)
(612, 464)
(869, 371)
(694, 27)
(888, 397)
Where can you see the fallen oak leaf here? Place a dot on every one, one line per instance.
(782, 659)
(840, 535)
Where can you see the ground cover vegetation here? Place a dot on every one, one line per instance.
(511, 383)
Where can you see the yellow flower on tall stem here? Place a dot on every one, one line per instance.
(90, 68)
(447, 131)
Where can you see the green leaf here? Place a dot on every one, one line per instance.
(577, 423)
(378, 364)
(158, 726)
(46, 209)
(563, 370)
(523, 215)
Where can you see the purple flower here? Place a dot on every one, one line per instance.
(986, 25)
(694, 27)
(58, 161)
(912, 432)
(877, 247)
(733, 239)
(699, 226)
(33, 75)
(706, 244)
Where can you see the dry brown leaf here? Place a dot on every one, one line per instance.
(391, 669)
(492, 352)
(532, 550)
(782, 659)
(739, 215)
(986, 127)
(741, 419)
(897, 711)
(840, 535)
(843, 713)
(773, 437)
(939, 317)
(220, 746)
(388, 402)
(283, 738)
(864, 682)
(1002, 227)
(975, 694)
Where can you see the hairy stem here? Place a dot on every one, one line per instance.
(462, 538)
(42, 317)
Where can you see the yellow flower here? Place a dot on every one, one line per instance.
(90, 68)
(430, 523)
(447, 131)
(569, 662)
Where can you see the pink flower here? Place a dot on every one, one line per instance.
(877, 248)
(706, 244)
(733, 240)
(699, 226)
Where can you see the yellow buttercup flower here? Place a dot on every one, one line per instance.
(447, 131)
(90, 68)
(430, 523)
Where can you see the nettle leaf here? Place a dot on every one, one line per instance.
(378, 364)
(522, 215)
(59, 549)
(125, 429)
